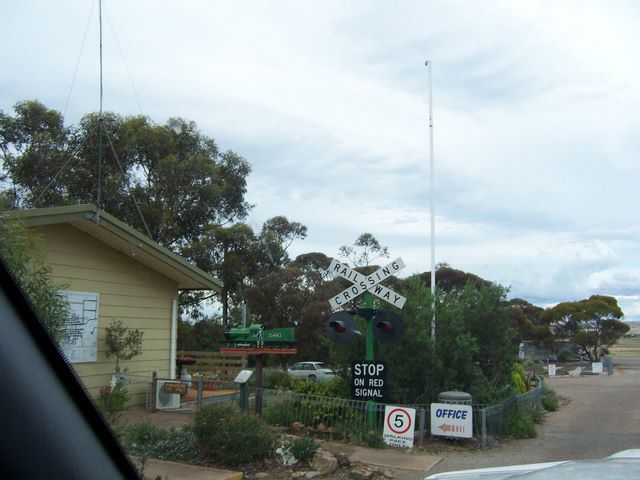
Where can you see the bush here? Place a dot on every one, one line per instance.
(304, 448)
(550, 400)
(535, 412)
(278, 380)
(280, 414)
(228, 436)
(111, 402)
(519, 379)
(373, 439)
(336, 388)
(148, 440)
(519, 425)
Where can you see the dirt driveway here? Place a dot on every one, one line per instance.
(602, 417)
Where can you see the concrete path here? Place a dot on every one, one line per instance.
(181, 471)
(385, 457)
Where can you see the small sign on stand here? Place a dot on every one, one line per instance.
(451, 420)
(241, 379)
(399, 426)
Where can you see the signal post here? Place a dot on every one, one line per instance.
(383, 326)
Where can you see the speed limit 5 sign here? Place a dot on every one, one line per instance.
(399, 425)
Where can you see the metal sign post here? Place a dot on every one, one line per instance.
(368, 286)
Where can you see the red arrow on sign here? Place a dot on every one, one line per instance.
(445, 427)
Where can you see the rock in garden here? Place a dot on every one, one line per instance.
(325, 462)
(310, 475)
(362, 472)
(296, 427)
(343, 459)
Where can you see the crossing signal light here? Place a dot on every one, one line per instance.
(387, 327)
(340, 327)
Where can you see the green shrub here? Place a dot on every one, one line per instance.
(278, 380)
(304, 448)
(280, 413)
(111, 402)
(535, 412)
(336, 388)
(550, 400)
(373, 439)
(519, 425)
(228, 436)
(148, 440)
(519, 379)
(144, 434)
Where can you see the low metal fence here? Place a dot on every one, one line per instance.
(363, 422)
(490, 419)
(329, 417)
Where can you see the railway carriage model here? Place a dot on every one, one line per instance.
(248, 337)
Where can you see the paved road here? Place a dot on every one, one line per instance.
(602, 417)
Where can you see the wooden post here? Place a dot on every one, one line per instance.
(258, 385)
(154, 390)
(200, 392)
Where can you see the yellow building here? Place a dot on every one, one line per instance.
(113, 272)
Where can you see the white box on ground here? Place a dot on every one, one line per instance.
(552, 370)
(399, 425)
(596, 367)
(451, 420)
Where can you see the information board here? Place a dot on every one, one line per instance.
(80, 338)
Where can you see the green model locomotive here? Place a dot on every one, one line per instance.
(256, 336)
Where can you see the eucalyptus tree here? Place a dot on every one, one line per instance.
(593, 324)
(178, 176)
(364, 250)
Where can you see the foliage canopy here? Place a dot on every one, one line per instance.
(22, 253)
(593, 324)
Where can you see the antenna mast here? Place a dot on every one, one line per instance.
(100, 120)
(433, 218)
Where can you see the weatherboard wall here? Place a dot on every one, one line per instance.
(129, 291)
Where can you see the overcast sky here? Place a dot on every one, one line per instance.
(536, 119)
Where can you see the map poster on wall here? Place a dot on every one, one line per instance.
(80, 339)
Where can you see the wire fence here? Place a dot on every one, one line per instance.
(343, 419)
(491, 419)
(332, 418)
(363, 422)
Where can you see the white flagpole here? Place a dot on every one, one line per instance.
(433, 218)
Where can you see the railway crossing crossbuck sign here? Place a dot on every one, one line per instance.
(363, 283)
